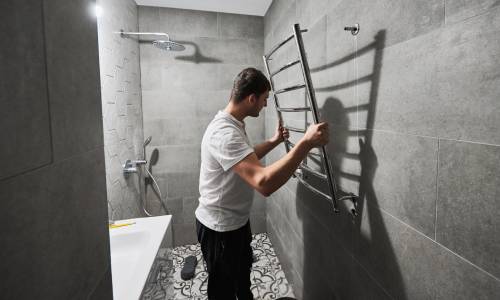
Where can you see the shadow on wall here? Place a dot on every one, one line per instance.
(334, 244)
(197, 57)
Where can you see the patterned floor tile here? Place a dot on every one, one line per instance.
(275, 290)
(267, 277)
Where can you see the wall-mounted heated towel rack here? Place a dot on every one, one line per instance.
(333, 196)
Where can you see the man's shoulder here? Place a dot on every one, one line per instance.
(222, 126)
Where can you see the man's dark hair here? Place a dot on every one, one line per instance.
(249, 81)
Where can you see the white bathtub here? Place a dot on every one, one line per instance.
(133, 250)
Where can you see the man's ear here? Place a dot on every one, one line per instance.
(252, 98)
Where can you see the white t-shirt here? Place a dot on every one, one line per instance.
(225, 199)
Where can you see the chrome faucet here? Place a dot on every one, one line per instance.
(130, 166)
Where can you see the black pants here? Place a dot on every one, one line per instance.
(228, 256)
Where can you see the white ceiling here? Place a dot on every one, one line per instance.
(244, 7)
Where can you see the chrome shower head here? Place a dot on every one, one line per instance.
(147, 141)
(168, 45)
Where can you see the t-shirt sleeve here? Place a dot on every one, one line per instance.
(229, 147)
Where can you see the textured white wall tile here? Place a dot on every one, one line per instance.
(121, 101)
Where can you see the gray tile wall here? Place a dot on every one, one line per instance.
(413, 106)
(182, 92)
(121, 105)
(54, 233)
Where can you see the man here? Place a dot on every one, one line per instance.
(230, 169)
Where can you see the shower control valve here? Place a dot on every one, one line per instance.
(130, 166)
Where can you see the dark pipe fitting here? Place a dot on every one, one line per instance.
(353, 29)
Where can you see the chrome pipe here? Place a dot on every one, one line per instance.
(275, 98)
(293, 109)
(315, 111)
(311, 188)
(281, 44)
(313, 172)
(314, 154)
(290, 88)
(295, 129)
(124, 34)
(288, 65)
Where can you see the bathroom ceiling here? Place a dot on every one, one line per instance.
(244, 7)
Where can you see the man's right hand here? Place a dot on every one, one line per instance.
(317, 135)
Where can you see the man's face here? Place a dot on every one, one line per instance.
(260, 103)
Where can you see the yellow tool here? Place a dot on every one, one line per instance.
(112, 226)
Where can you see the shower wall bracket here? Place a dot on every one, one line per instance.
(353, 29)
(302, 173)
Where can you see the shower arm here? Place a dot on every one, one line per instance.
(128, 33)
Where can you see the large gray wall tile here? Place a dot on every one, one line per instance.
(74, 89)
(468, 206)
(148, 18)
(395, 255)
(446, 88)
(183, 158)
(404, 172)
(104, 289)
(407, 19)
(308, 11)
(276, 11)
(241, 26)
(184, 234)
(188, 22)
(458, 279)
(258, 223)
(182, 184)
(24, 119)
(460, 10)
(410, 265)
(66, 205)
(174, 131)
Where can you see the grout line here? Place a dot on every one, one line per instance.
(426, 136)
(444, 12)
(45, 58)
(470, 142)
(437, 192)
(282, 243)
(370, 275)
(298, 236)
(442, 246)
(218, 26)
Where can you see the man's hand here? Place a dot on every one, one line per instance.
(280, 135)
(267, 180)
(317, 135)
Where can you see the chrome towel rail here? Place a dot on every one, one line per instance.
(313, 107)
(275, 48)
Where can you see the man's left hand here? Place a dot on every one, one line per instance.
(281, 134)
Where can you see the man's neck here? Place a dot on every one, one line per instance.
(236, 111)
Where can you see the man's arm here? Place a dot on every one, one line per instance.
(267, 180)
(262, 149)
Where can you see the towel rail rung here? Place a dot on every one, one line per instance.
(293, 109)
(288, 65)
(290, 88)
